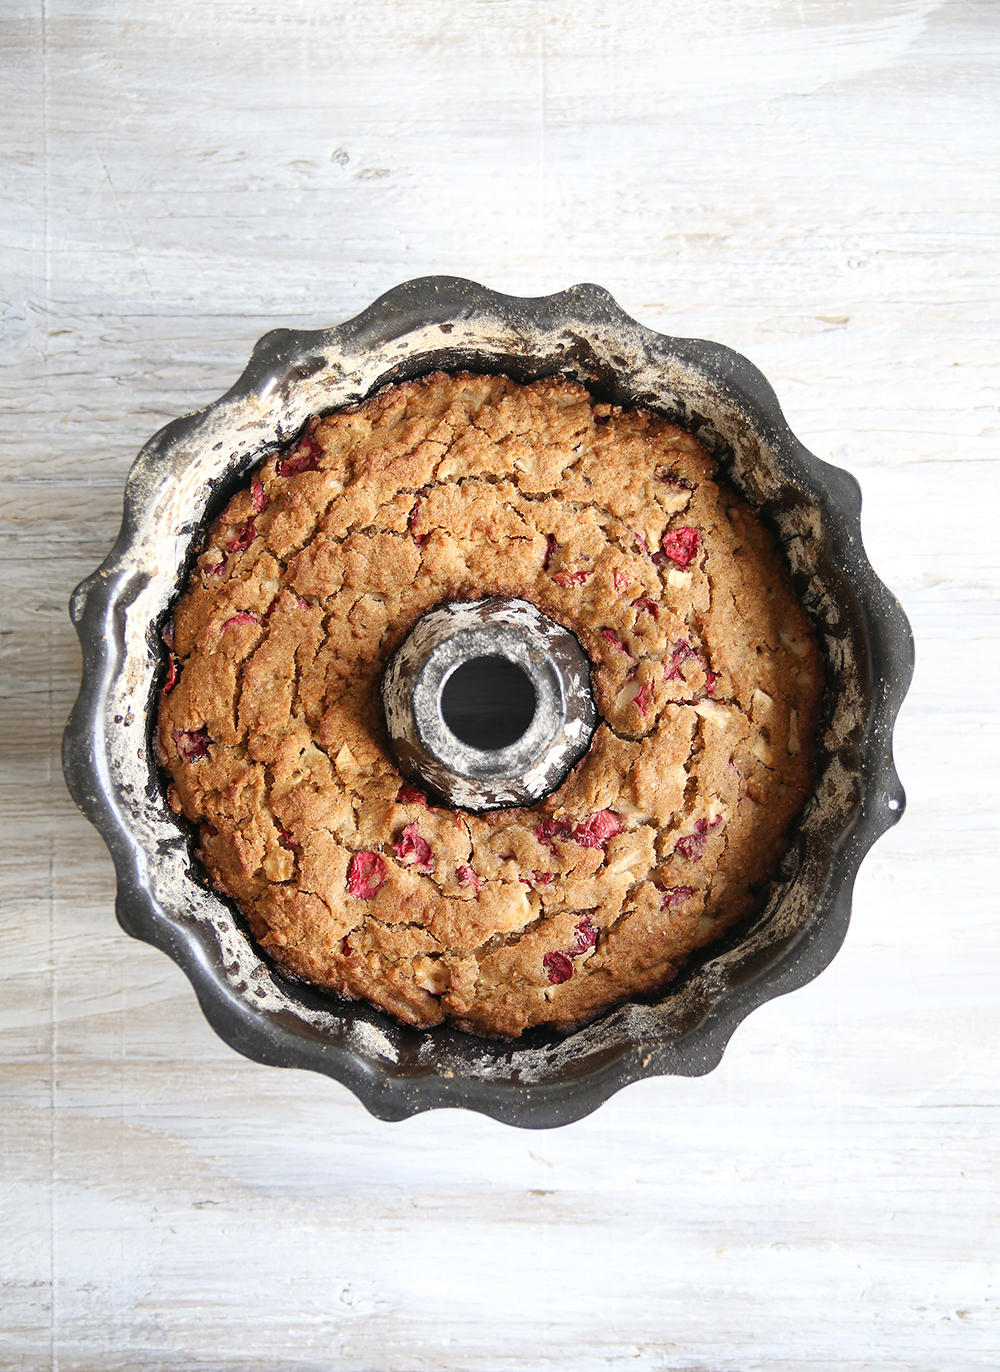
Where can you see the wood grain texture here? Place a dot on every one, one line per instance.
(813, 184)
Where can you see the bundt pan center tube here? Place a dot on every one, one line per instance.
(187, 473)
(519, 766)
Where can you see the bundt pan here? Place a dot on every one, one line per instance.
(182, 479)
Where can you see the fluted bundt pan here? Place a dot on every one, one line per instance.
(182, 479)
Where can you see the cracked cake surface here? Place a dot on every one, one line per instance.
(705, 673)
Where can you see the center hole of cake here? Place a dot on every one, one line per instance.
(488, 703)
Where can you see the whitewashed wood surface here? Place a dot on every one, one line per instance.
(815, 184)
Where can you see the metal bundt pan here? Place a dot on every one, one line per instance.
(180, 482)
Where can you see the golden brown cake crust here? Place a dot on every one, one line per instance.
(705, 673)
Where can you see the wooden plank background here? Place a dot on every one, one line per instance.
(814, 183)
